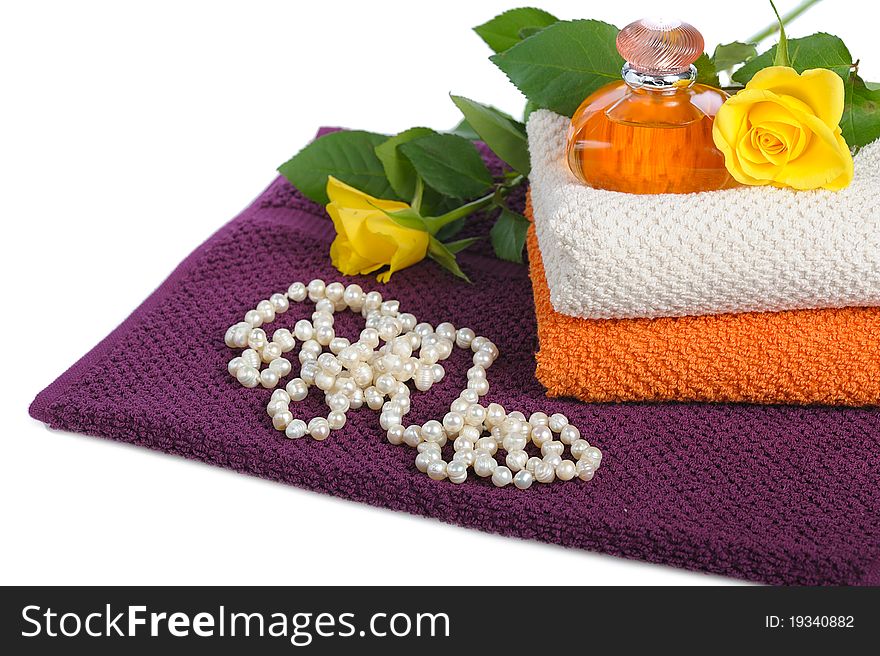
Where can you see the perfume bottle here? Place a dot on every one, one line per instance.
(651, 133)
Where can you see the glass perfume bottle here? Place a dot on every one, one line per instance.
(651, 132)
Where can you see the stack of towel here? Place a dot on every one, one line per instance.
(753, 294)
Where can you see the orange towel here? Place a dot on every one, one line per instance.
(829, 357)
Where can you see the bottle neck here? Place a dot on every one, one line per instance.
(668, 82)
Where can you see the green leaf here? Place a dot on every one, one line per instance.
(861, 114)
(441, 254)
(464, 129)
(781, 58)
(349, 156)
(449, 164)
(728, 55)
(398, 169)
(504, 30)
(506, 137)
(458, 246)
(528, 109)
(706, 72)
(407, 218)
(564, 63)
(872, 86)
(526, 32)
(819, 50)
(450, 229)
(509, 235)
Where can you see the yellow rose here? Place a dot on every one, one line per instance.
(367, 239)
(783, 130)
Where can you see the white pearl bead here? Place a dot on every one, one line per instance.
(585, 470)
(516, 460)
(357, 399)
(487, 444)
(459, 405)
(297, 389)
(495, 414)
(254, 318)
(477, 343)
(279, 303)
(271, 351)
(531, 463)
(324, 381)
(297, 292)
(541, 435)
(308, 371)
(446, 330)
(502, 476)
(248, 376)
(578, 447)
(303, 330)
(569, 434)
(338, 402)
(467, 456)
(281, 419)
(334, 291)
(284, 338)
(257, 339)
(552, 459)
(456, 471)
(412, 435)
(438, 371)
(281, 395)
(479, 385)
(372, 301)
(432, 431)
(485, 465)
(354, 297)
(523, 480)
(335, 419)
(464, 337)
(389, 419)
(337, 344)
(425, 458)
(557, 422)
(296, 429)
(514, 443)
(394, 435)
(469, 432)
(316, 290)
(324, 335)
(552, 448)
(566, 470)
(437, 470)
(424, 378)
(407, 321)
(453, 422)
(267, 312)
(475, 415)
(593, 455)
(544, 472)
(462, 443)
(268, 378)
(234, 364)
(482, 359)
(237, 334)
(275, 406)
(319, 428)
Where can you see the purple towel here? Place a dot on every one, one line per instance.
(767, 493)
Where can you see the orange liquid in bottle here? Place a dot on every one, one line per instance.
(648, 142)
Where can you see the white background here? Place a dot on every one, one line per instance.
(129, 131)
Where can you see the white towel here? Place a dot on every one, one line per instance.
(750, 249)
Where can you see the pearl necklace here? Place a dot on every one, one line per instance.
(363, 372)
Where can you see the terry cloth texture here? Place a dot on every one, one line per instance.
(827, 357)
(773, 494)
(751, 249)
